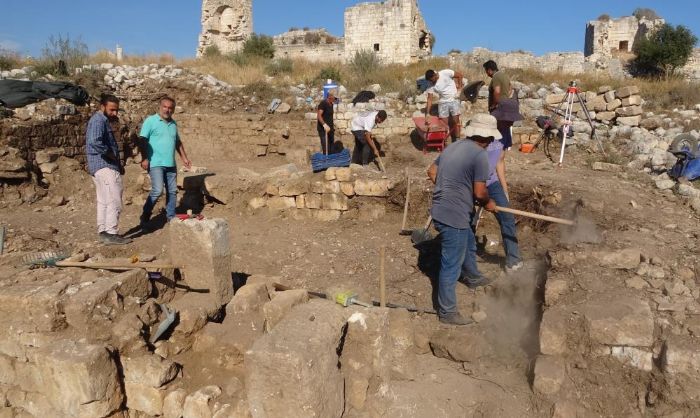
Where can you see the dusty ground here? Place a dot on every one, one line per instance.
(318, 256)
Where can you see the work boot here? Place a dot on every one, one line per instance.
(515, 267)
(455, 319)
(113, 239)
(474, 283)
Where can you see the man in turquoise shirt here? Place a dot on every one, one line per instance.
(159, 141)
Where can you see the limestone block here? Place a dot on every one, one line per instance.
(366, 187)
(272, 190)
(227, 343)
(632, 101)
(293, 188)
(681, 364)
(48, 155)
(609, 96)
(635, 357)
(549, 375)
(403, 365)
(553, 328)
(281, 304)
(366, 357)
(322, 187)
(629, 121)
(79, 379)
(326, 215)
(329, 174)
(605, 116)
(554, 289)
(150, 371)
(614, 105)
(612, 168)
(598, 104)
(249, 298)
(465, 345)
(626, 259)
(293, 371)
(202, 248)
(200, 404)
(627, 91)
(7, 370)
(371, 212)
(300, 201)
(313, 201)
(144, 398)
(257, 203)
(553, 99)
(624, 321)
(629, 111)
(334, 201)
(40, 312)
(347, 189)
(194, 310)
(604, 89)
(277, 203)
(173, 404)
(343, 174)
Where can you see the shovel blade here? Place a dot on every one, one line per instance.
(421, 235)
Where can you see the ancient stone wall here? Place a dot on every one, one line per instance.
(315, 45)
(226, 24)
(394, 30)
(603, 37)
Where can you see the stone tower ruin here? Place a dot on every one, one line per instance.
(226, 24)
(394, 30)
(605, 37)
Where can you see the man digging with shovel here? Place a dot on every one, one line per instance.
(460, 174)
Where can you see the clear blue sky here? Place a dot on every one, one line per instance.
(157, 26)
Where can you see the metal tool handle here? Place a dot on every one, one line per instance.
(536, 216)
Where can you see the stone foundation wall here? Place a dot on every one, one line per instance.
(322, 53)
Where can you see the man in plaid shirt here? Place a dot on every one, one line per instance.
(106, 170)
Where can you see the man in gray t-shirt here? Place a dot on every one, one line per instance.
(460, 176)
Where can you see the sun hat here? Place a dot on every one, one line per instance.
(483, 125)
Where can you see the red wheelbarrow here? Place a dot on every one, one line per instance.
(433, 136)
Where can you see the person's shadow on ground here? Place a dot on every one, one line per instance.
(157, 222)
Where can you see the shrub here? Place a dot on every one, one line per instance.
(667, 49)
(72, 52)
(454, 51)
(604, 17)
(280, 66)
(332, 73)
(8, 59)
(364, 62)
(259, 46)
(644, 12)
(312, 38)
(260, 89)
(212, 51)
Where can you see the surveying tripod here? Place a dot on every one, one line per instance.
(573, 93)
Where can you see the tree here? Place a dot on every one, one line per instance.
(666, 50)
(646, 13)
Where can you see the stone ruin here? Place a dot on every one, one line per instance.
(607, 37)
(226, 24)
(394, 30)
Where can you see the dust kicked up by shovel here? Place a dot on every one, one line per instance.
(584, 230)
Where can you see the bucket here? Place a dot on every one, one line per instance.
(328, 87)
(527, 148)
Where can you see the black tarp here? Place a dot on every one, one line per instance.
(363, 97)
(18, 93)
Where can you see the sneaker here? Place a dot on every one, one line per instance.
(455, 319)
(480, 281)
(515, 267)
(113, 239)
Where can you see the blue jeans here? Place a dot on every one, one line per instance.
(457, 257)
(507, 224)
(161, 176)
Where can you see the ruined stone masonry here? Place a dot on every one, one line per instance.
(226, 24)
(606, 37)
(394, 30)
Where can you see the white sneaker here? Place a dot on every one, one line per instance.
(515, 267)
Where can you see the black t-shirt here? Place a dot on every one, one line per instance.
(327, 113)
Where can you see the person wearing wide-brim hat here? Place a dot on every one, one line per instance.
(460, 174)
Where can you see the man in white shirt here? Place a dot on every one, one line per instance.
(361, 127)
(446, 84)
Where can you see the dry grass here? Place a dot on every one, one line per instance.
(104, 56)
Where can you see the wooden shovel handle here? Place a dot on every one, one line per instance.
(115, 266)
(536, 216)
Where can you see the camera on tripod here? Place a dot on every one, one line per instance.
(572, 83)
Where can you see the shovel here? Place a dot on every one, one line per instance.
(421, 235)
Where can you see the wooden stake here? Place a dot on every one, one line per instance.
(382, 279)
(405, 206)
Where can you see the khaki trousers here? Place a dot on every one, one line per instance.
(108, 185)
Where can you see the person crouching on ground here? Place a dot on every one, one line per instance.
(460, 174)
(324, 124)
(106, 170)
(365, 146)
(159, 141)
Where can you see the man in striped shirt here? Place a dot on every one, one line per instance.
(106, 170)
